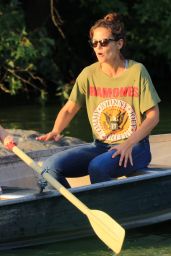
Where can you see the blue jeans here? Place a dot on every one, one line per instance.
(95, 159)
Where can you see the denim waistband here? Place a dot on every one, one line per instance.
(100, 143)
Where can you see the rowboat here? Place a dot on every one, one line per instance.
(28, 217)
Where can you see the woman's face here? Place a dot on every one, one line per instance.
(110, 52)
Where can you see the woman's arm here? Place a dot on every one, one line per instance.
(125, 149)
(63, 119)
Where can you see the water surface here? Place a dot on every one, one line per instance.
(148, 241)
(41, 118)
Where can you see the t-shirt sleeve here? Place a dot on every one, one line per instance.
(148, 95)
(79, 89)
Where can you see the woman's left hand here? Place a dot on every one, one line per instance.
(125, 152)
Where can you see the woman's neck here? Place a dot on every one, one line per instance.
(114, 68)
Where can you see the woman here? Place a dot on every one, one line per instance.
(122, 107)
(5, 138)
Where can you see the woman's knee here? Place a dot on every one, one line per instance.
(93, 166)
(53, 165)
(56, 161)
(97, 172)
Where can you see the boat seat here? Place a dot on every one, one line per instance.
(150, 169)
(84, 181)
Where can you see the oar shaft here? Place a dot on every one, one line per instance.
(74, 200)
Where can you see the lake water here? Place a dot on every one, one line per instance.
(41, 118)
(148, 241)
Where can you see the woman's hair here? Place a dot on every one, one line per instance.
(113, 22)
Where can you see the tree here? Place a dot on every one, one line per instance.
(50, 47)
(25, 57)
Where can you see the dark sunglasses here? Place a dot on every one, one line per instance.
(103, 42)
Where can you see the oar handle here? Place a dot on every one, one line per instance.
(65, 192)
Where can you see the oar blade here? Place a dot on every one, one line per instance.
(107, 229)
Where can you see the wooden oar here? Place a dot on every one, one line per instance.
(107, 229)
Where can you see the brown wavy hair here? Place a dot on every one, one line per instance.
(113, 22)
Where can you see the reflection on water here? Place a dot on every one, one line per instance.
(41, 118)
(148, 241)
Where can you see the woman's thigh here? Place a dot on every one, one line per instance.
(104, 167)
(72, 162)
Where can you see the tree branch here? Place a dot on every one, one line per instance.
(57, 21)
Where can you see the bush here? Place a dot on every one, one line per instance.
(26, 63)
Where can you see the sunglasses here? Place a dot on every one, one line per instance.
(103, 42)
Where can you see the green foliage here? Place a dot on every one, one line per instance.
(64, 90)
(154, 23)
(25, 57)
(39, 61)
(98, 6)
(147, 25)
(145, 20)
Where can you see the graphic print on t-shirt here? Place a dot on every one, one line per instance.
(114, 120)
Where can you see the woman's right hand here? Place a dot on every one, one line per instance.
(50, 136)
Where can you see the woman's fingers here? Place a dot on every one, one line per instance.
(130, 159)
(45, 137)
(125, 155)
(115, 154)
(50, 136)
(58, 137)
(42, 137)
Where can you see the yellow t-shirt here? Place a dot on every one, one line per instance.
(115, 106)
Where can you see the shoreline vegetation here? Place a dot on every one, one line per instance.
(39, 34)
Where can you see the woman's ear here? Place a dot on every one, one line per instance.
(120, 44)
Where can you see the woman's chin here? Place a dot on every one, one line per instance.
(101, 60)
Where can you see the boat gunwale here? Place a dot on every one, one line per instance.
(54, 193)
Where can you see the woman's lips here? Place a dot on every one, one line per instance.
(100, 54)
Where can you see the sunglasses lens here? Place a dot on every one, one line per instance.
(93, 43)
(103, 42)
